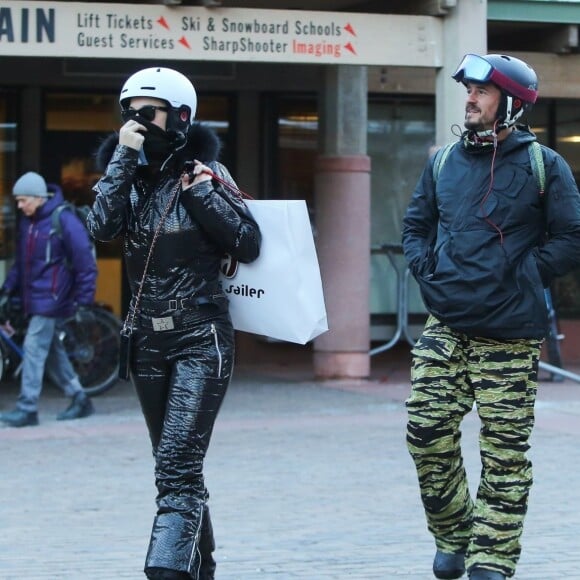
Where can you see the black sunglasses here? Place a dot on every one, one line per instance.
(146, 112)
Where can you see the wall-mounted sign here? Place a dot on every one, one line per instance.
(76, 29)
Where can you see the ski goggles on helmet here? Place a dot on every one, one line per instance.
(476, 69)
(147, 112)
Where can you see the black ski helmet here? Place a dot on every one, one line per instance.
(516, 80)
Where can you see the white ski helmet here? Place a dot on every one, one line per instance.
(162, 83)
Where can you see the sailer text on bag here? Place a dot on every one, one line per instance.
(245, 290)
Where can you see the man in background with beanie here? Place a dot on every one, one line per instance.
(53, 275)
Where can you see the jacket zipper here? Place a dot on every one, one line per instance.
(217, 348)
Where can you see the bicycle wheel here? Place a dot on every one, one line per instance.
(92, 344)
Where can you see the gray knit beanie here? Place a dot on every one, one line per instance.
(30, 184)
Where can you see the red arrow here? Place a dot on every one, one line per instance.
(350, 29)
(183, 41)
(163, 22)
(350, 47)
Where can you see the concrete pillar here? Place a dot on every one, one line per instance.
(342, 194)
(464, 30)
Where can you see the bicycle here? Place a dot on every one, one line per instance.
(91, 339)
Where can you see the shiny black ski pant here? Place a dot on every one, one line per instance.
(181, 377)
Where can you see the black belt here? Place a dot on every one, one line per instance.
(177, 304)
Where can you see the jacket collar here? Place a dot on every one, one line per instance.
(202, 143)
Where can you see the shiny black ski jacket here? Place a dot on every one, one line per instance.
(203, 223)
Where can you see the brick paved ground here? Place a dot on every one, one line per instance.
(308, 480)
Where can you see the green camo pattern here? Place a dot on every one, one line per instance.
(451, 372)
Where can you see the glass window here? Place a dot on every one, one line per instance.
(400, 133)
(75, 124)
(8, 149)
(399, 136)
(292, 148)
(567, 143)
(557, 125)
(217, 112)
(539, 121)
(568, 134)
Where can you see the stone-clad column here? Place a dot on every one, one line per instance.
(342, 193)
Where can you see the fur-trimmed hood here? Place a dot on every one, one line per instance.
(202, 144)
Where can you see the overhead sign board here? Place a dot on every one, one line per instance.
(137, 31)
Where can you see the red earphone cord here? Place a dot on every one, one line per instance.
(495, 226)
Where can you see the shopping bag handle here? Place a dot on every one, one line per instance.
(241, 194)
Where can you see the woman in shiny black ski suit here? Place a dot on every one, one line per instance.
(180, 374)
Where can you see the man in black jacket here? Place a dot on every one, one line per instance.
(483, 239)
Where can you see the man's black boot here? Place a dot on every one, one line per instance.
(448, 565)
(483, 574)
(81, 406)
(20, 418)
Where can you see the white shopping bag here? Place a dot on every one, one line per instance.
(280, 294)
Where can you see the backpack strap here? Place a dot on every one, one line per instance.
(537, 161)
(440, 158)
(534, 151)
(55, 227)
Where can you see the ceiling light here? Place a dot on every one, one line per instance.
(569, 139)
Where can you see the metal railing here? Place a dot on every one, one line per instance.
(402, 307)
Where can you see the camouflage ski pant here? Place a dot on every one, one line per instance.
(450, 372)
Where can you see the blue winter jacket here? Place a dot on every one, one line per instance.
(483, 245)
(53, 274)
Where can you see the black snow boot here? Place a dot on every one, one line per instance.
(81, 406)
(447, 566)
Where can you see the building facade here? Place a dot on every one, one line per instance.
(332, 101)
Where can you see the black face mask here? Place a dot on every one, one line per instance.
(158, 144)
